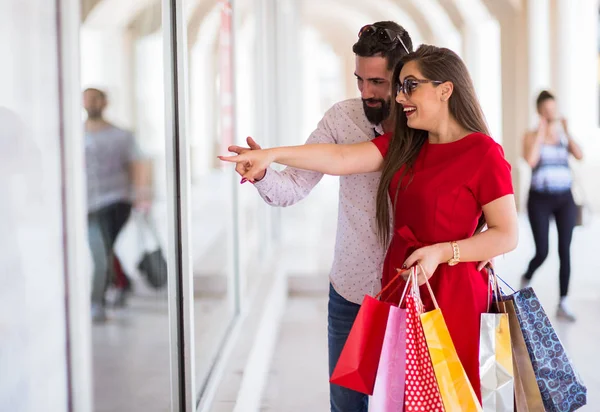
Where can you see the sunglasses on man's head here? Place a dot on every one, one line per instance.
(383, 35)
(409, 85)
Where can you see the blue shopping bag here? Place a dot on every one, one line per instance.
(560, 385)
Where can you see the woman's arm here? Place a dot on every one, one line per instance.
(500, 237)
(331, 159)
(574, 148)
(532, 144)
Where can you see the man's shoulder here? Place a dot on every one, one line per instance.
(352, 107)
(120, 131)
(350, 111)
(348, 116)
(112, 130)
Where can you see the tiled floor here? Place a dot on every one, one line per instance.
(131, 352)
(298, 380)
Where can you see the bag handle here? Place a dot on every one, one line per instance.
(413, 281)
(144, 222)
(503, 281)
(409, 281)
(412, 276)
(428, 285)
(493, 279)
(394, 279)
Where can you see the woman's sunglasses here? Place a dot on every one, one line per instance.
(409, 85)
(383, 35)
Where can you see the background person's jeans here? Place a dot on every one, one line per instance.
(103, 228)
(341, 315)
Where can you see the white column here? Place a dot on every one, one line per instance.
(576, 63)
(538, 26)
(481, 53)
(515, 86)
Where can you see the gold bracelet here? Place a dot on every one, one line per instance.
(455, 260)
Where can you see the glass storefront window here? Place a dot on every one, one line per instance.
(122, 81)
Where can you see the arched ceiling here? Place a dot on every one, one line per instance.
(429, 21)
(357, 13)
(112, 13)
(503, 9)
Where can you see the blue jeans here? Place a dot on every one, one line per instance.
(104, 226)
(341, 315)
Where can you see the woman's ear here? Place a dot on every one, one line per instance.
(446, 90)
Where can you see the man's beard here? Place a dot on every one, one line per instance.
(376, 115)
(94, 114)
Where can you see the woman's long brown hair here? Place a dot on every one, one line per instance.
(435, 63)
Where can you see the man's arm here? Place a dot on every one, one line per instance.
(291, 185)
(141, 178)
(140, 172)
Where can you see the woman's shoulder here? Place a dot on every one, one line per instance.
(482, 143)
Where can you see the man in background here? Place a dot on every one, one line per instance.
(118, 177)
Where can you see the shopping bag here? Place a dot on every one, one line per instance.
(560, 385)
(496, 364)
(154, 268)
(495, 358)
(455, 388)
(152, 264)
(421, 388)
(357, 365)
(527, 393)
(388, 395)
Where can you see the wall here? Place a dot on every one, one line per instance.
(32, 298)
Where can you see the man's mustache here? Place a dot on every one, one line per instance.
(373, 101)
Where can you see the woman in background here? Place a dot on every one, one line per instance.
(547, 151)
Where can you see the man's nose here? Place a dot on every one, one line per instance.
(367, 91)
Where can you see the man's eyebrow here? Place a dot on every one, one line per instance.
(371, 78)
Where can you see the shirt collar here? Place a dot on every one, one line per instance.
(378, 130)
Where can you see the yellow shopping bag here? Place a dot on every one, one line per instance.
(455, 387)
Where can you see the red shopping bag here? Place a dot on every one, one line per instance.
(357, 365)
(421, 392)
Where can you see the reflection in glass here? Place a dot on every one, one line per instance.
(222, 210)
(212, 228)
(123, 99)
